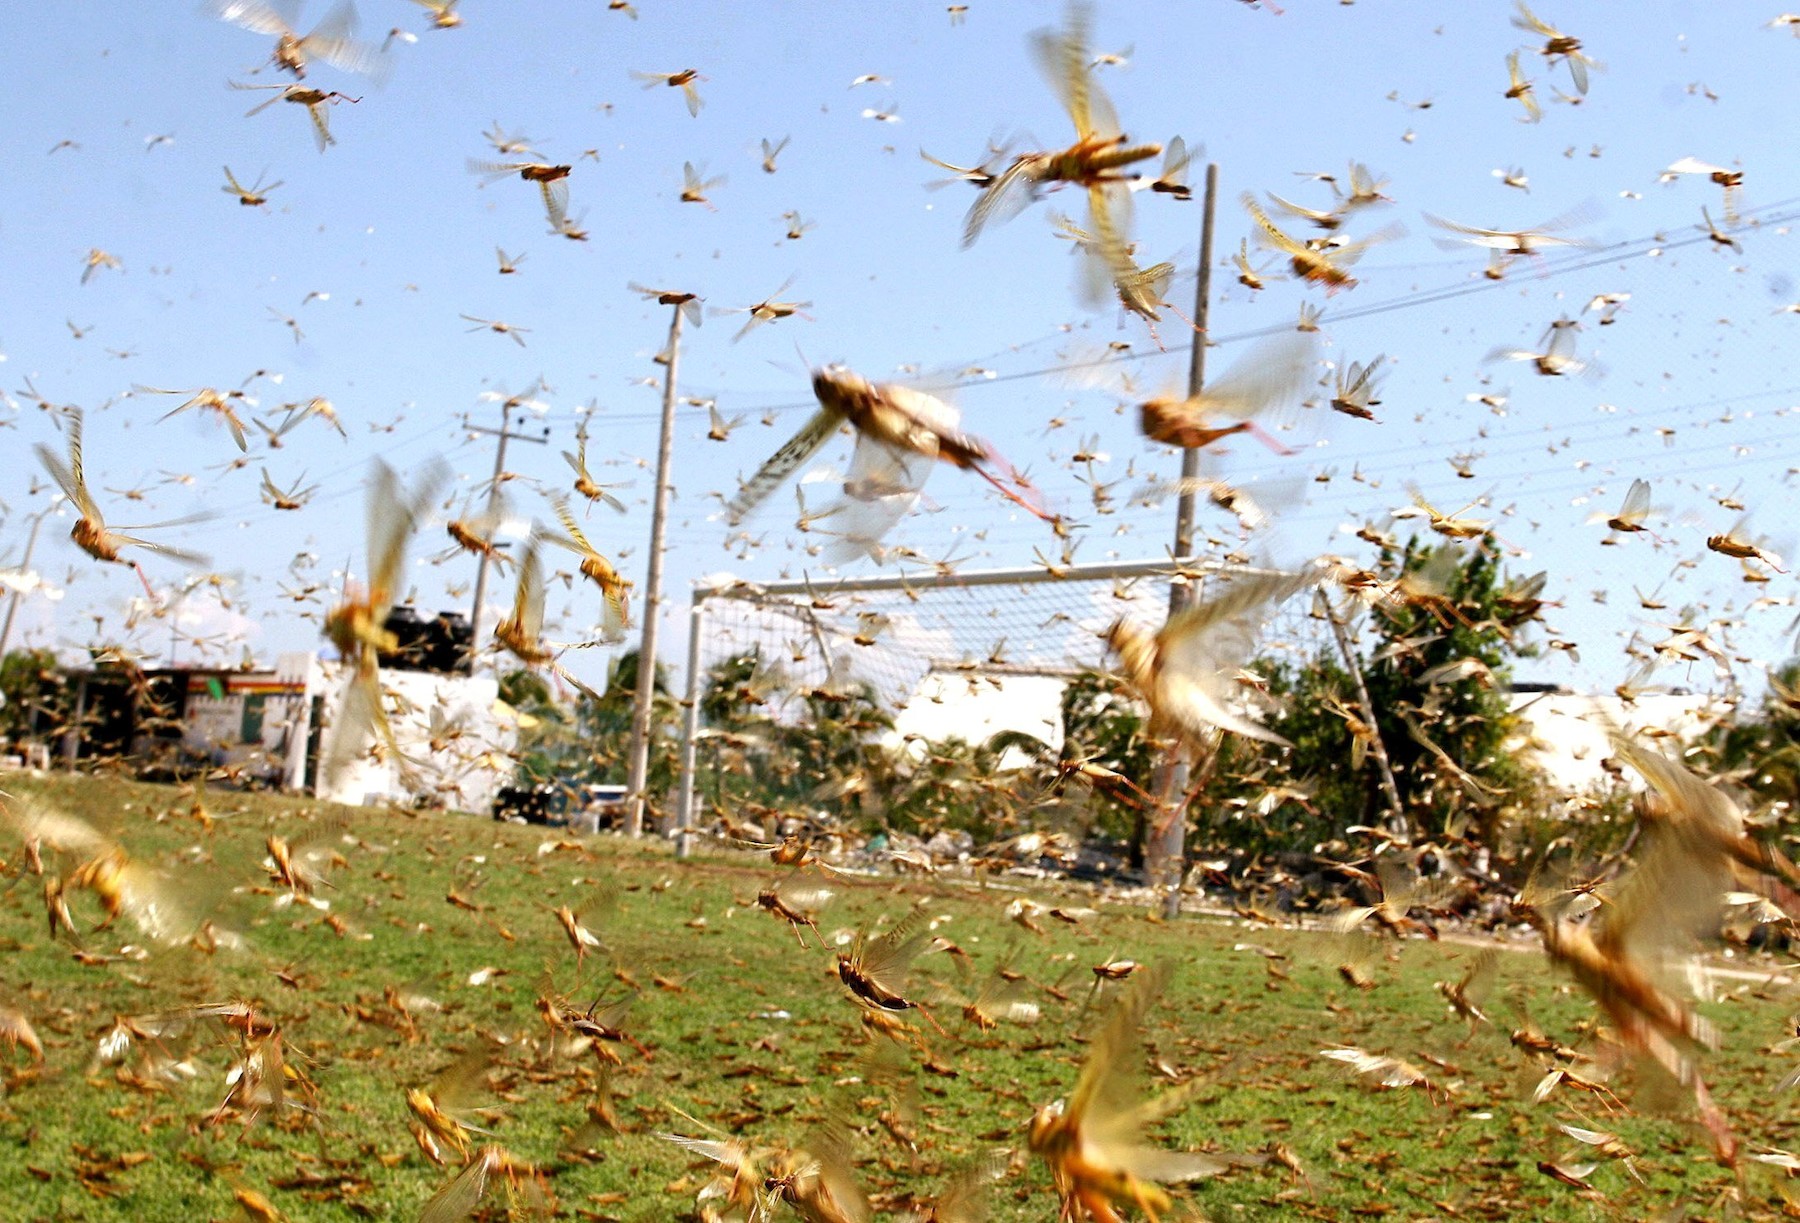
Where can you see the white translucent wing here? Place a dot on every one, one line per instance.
(1693, 165)
(1004, 198)
(881, 487)
(334, 41)
(1272, 372)
(1204, 646)
(458, 1199)
(253, 15)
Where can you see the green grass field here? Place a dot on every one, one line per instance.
(754, 1035)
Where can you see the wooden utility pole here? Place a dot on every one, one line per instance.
(1167, 852)
(635, 798)
(505, 434)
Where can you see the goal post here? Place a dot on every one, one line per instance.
(963, 653)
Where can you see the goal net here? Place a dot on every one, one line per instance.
(928, 657)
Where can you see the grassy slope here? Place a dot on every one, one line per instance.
(1472, 1152)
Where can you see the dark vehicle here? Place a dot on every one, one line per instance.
(544, 805)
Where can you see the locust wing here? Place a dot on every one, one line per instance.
(782, 464)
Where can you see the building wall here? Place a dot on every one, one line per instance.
(1568, 732)
(478, 735)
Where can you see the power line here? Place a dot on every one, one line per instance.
(1631, 248)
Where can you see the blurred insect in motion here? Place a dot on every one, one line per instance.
(979, 176)
(1184, 671)
(796, 899)
(580, 937)
(443, 13)
(797, 225)
(462, 1196)
(1558, 358)
(439, 1108)
(1249, 276)
(898, 417)
(358, 625)
(1519, 89)
(1735, 544)
(552, 182)
(1094, 161)
(1326, 219)
(521, 631)
(1109, 262)
(689, 303)
(1172, 182)
(1631, 514)
(332, 41)
(1514, 243)
(1364, 190)
(512, 331)
(1732, 181)
(1001, 999)
(1092, 1140)
(766, 311)
(585, 484)
(207, 399)
(771, 149)
(317, 406)
(816, 1180)
(875, 969)
(1325, 264)
(254, 196)
(1718, 236)
(476, 534)
(964, 1198)
(1356, 387)
(594, 567)
(1265, 379)
(315, 101)
(1452, 525)
(1557, 46)
(287, 499)
(95, 261)
(1386, 1072)
(1690, 849)
(683, 80)
(90, 531)
(694, 187)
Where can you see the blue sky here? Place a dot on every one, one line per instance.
(1693, 388)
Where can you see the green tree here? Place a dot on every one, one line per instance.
(545, 747)
(603, 728)
(1762, 745)
(1437, 668)
(36, 700)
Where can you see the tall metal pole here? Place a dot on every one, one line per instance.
(635, 798)
(690, 728)
(505, 434)
(1168, 845)
(12, 605)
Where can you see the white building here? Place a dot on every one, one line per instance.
(1569, 733)
(455, 736)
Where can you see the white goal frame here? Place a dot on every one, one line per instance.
(1188, 570)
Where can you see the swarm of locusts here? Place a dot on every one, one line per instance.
(221, 1003)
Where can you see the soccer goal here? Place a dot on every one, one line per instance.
(945, 654)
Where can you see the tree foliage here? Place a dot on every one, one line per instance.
(35, 698)
(1761, 746)
(1436, 661)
